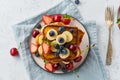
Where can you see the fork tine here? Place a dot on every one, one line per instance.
(106, 13)
(109, 13)
(112, 11)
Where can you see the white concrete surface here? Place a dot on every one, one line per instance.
(14, 11)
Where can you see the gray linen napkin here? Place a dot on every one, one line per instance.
(91, 69)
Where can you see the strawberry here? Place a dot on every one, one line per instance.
(119, 26)
(66, 19)
(33, 48)
(56, 17)
(47, 19)
(46, 48)
(49, 67)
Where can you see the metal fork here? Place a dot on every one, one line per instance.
(109, 19)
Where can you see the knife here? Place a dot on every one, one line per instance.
(118, 17)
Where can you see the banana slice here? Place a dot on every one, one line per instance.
(37, 40)
(53, 49)
(64, 56)
(65, 62)
(78, 52)
(40, 50)
(41, 39)
(61, 39)
(69, 36)
(51, 34)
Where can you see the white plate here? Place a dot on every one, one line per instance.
(84, 46)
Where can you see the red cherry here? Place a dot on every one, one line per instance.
(13, 51)
(73, 47)
(78, 59)
(69, 66)
(57, 18)
(35, 33)
(56, 66)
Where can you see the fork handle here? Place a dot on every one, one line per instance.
(109, 50)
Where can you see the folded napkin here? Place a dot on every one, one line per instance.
(91, 69)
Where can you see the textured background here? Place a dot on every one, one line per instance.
(14, 11)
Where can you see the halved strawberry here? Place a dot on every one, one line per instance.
(119, 26)
(46, 48)
(66, 19)
(33, 48)
(47, 19)
(49, 67)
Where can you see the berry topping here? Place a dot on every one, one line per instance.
(64, 51)
(61, 47)
(35, 33)
(61, 29)
(33, 48)
(67, 45)
(77, 1)
(13, 51)
(36, 54)
(57, 18)
(47, 19)
(56, 66)
(46, 48)
(51, 33)
(73, 47)
(78, 59)
(64, 55)
(57, 53)
(56, 46)
(49, 67)
(64, 69)
(69, 66)
(66, 19)
(61, 40)
(38, 26)
(119, 26)
(71, 30)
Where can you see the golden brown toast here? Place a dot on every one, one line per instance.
(77, 38)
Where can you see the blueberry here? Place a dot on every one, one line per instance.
(37, 54)
(61, 47)
(61, 29)
(64, 69)
(56, 46)
(61, 40)
(64, 51)
(77, 1)
(57, 53)
(67, 45)
(51, 33)
(38, 26)
(71, 30)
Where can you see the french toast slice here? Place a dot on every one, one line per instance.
(77, 38)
